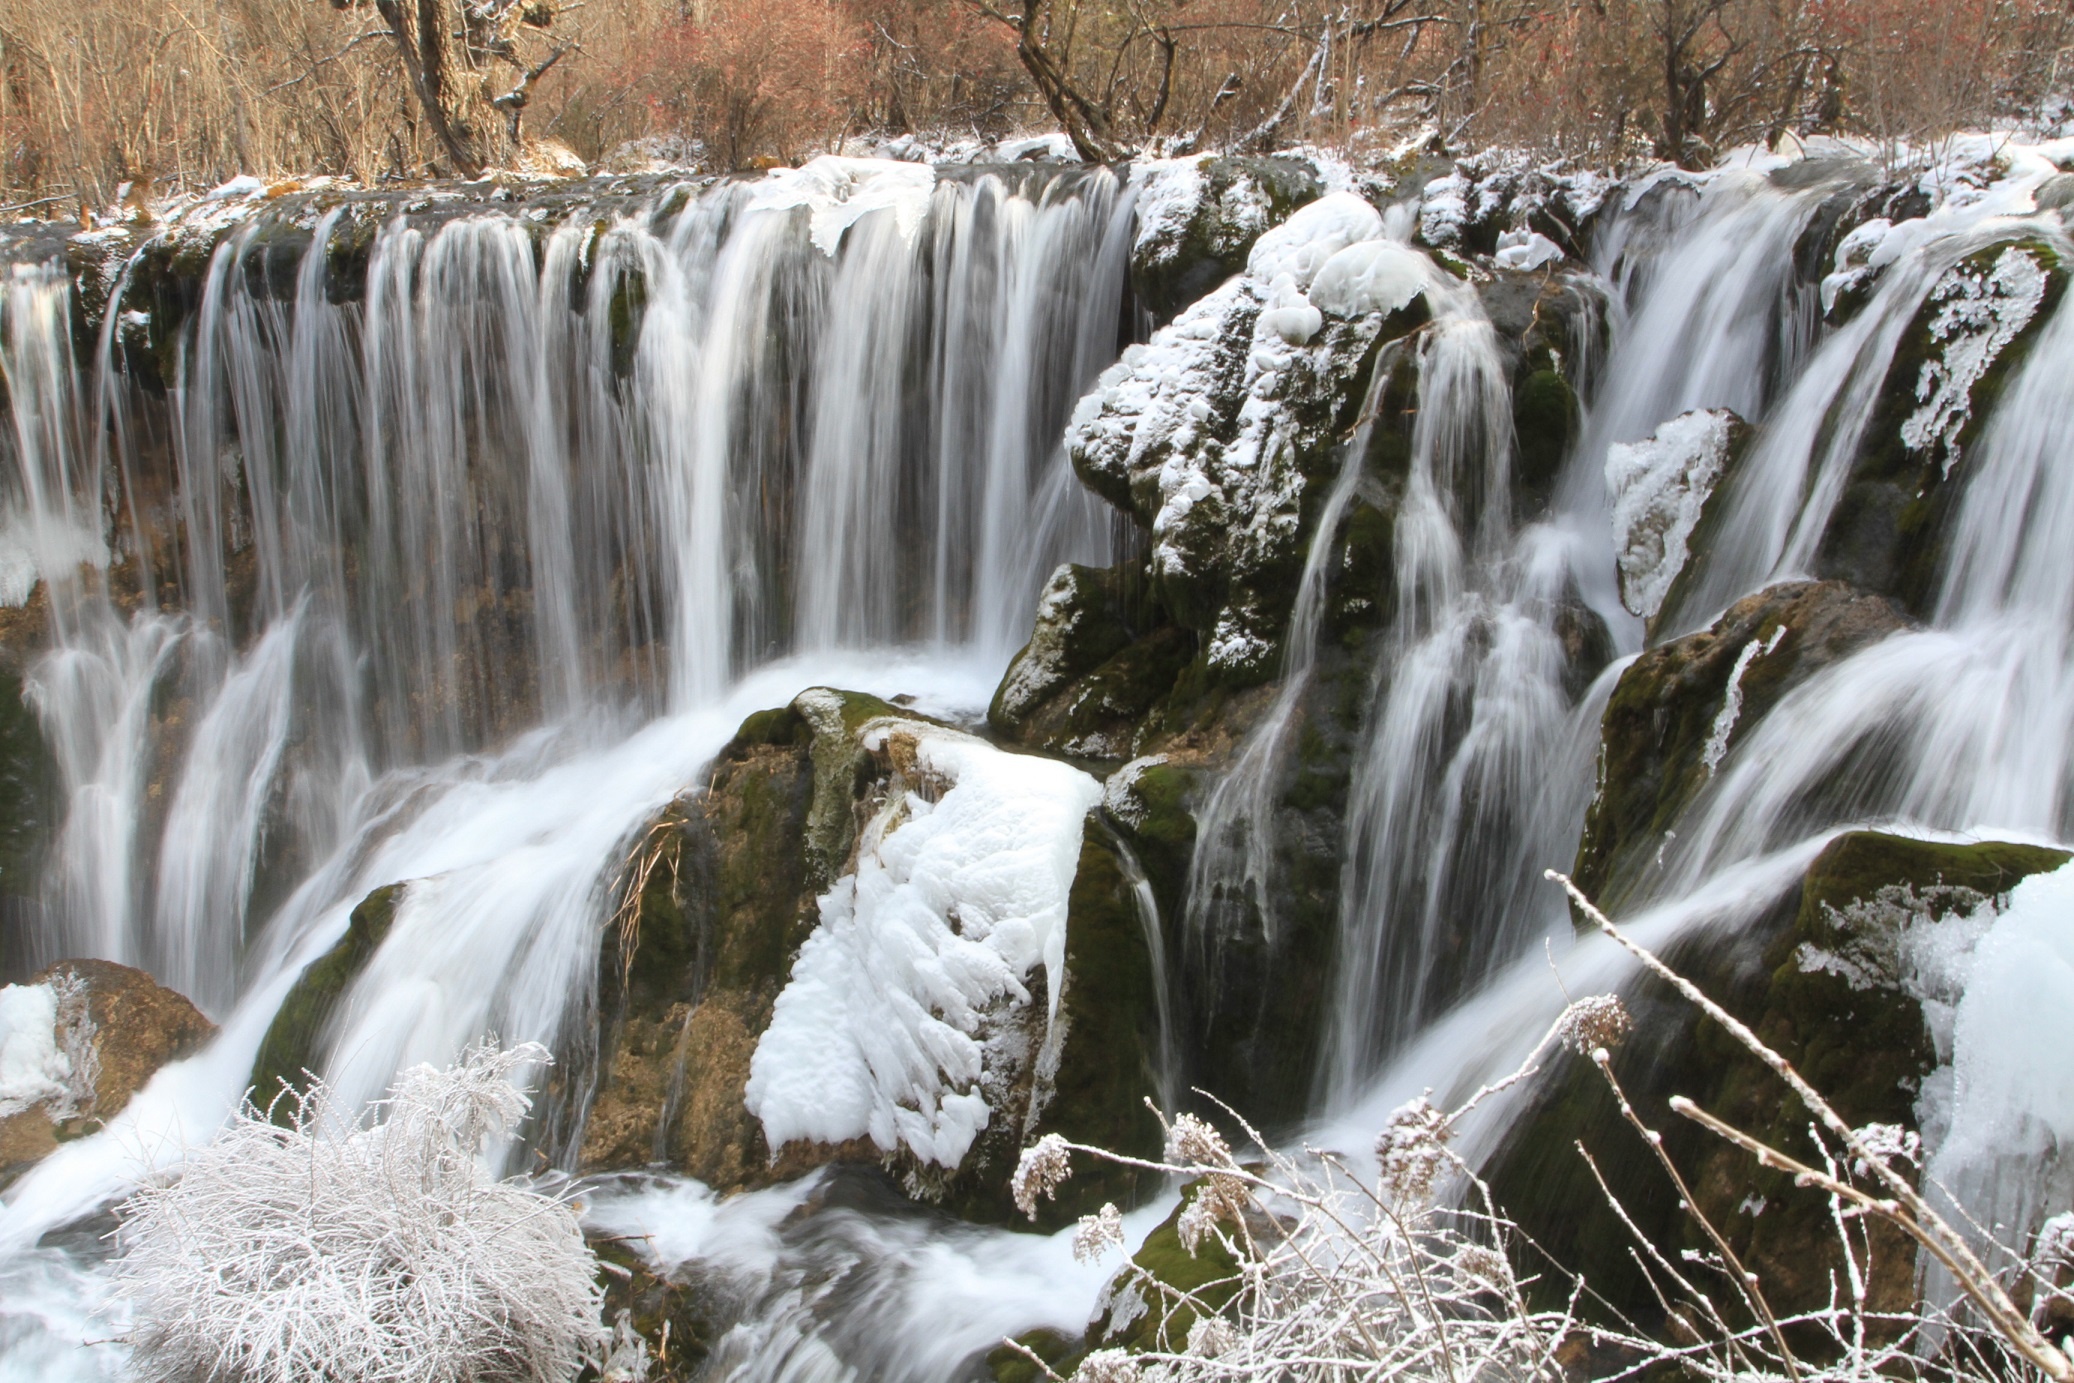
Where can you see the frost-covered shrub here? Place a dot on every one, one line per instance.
(1406, 1269)
(384, 1251)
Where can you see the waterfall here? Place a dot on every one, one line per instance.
(442, 542)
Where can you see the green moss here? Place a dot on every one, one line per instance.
(629, 305)
(1544, 418)
(28, 807)
(1058, 1352)
(291, 1040)
(1109, 1064)
(1210, 1275)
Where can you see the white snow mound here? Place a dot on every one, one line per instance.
(883, 1029)
(1372, 276)
(1313, 234)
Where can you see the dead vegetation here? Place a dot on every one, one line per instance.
(96, 93)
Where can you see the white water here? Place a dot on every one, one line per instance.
(588, 534)
(530, 522)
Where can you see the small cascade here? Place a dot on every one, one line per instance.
(1451, 810)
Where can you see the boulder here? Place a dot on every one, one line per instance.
(109, 1030)
(731, 883)
(1809, 979)
(1888, 530)
(1097, 661)
(1680, 707)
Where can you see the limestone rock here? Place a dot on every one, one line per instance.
(732, 881)
(114, 1027)
(1680, 707)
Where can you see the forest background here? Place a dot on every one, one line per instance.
(168, 94)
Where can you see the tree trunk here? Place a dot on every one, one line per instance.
(423, 65)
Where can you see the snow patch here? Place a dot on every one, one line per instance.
(1120, 794)
(1858, 260)
(1374, 276)
(839, 192)
(1659, 488)
(884, 1028)
(1527, 250)
(1170, 192)
(1979, 314)
(1732, 702)
(244, 186)
(1301, 245)
(33, 1068)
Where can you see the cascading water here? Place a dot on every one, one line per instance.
(471, 503)
(492, 535)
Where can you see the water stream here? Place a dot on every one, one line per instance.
(486, 555)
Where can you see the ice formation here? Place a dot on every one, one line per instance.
(33, 1069)
(839, 192)
(2011, 1097)
(1658, 488)
(1995, 980)
(1732, 701)
(887, 1025)
(1979, 314)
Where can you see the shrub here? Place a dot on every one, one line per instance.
(353, 1251)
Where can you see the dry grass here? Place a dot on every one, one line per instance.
(95, 93)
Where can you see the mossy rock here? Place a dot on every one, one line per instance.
(1098, 715)
(1210, 1274)
(293, 1040)
(1060, 1353)
(1890, 528)
(729, 881)
(1654, 735)
(1099, 655)
(29, 813)
(728, 896)
(1242, 199)
(1867, 1049)
(1544, 420)
(1109, 1055)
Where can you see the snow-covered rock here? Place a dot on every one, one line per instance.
(1979, 309)
(1658, 488)
(1199, 217)
(1211, 433)
(839, 192)
(900, 1020)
